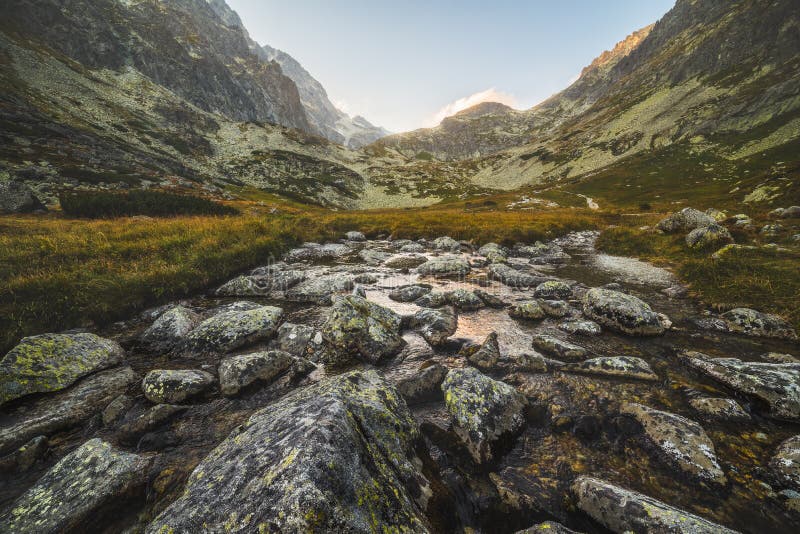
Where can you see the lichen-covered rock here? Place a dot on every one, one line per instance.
(614, 366)
(405, 261)
(170, 329)
(152, 418)
(581, 327)
(117, 409)
(681, 442)
(493, 252)
(685, 220)
(75, 490)
(446, 243)
(785, 465)
(493, 301)
(529, 310)
(357, 329)
(553, 289)
(622, 510)
(548, 527)
(484, 411)
(444, 266)
(337, 456)
(245, 286)
(555, 308)
(424, 385)
(373, 257)
(464, 300)
(321, 289)
(16, 197)
(487, 356)
(412, 247)
(754, 323)
(233, 329)
(436, 325)
(433, 299)
(238, 372)
(355, 236)
(26, 456)
(621, 312)
(771, 230)
(711, 236)
(513, 277)
(775, 384)
(559, 348)
(719, 409)
(299, 340)
(175, 385)
(64, 409)
(716, 214)
(779, 357)
(310, 252)
(50, 362)
(409, 293)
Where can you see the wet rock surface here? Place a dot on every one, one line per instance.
(624, 313)
(175, 385)
(551, 418)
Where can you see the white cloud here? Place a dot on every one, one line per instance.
(489, 95)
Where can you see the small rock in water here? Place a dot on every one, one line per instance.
(412, 247)
(175, 385)
(487, 356)
(581, 327)
(374, 257)
(614, 366)
(529, 310)
(444, 267)
(484, 410)
(777, 357)
(754, 323)
(490, 300)
(446, 243)
(357, 329)
(678, 440)
(464, 300)
(238, 372)
(622, 510)
(553, 289)
(785, 465)
(558, 348)
(78, 487)
(355, 236)
(424, 385)
(513, 277)
(433, 299)
(621, 312)
(436, 325)
(555, 308)
(409, 293)
(408, 261)
(719, 409)
(321, 289)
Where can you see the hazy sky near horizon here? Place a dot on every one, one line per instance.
(406, 65)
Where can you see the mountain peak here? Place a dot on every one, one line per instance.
(620, 50)
(484, 108)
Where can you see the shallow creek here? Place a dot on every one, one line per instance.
(573, 428)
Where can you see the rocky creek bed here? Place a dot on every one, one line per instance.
(411, 386)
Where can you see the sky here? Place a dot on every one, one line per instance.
(406, 65)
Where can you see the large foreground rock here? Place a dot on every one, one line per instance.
(50, 362)
(485, 411)
(755, 323)
(334, 457)
(681, 442)
(233, 329)
(775, 384)
(357, 329)
(64, 409)
(16, 197)
(622, 510)
(71, 495)
(621, 312)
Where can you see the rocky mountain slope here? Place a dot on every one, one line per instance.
(712, 85)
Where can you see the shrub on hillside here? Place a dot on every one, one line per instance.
(102, 204)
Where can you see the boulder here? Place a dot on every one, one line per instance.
(529, 310)
(485, 411)
(553, 289)
(559, 348)
(548, 527)
(409, 293)
(487, 356)
(754, 323)
(238, 372)
(26, 456)
(581, 327)
(711, 236)
(72, 494)
(779, 357)
(51, 362)
(245, 286)
(716, 214)
(622, 510)
(513, 277)
(405, 261)
(424, 385)
(444, 266)
(719, 409)
(299, 340)
(785, 465)
(555, 308)
(434, 299)
(337, 456)
(230, 330)
(436, 325)
(494, 253)
(412, 247)
(320, 289)
(775, 384)
(150, 419)
(355, 236)
(311, 252)
(621, 312)
(64, 409)
(679, 441)
(357, 329)
(490, 300)
(464, 300)
(792, 212)
(175, 385)
(16, 197)
(685, 220)
(771, 230)
(373, 257)
(447, 244)
(169, 329)
(613, 366)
